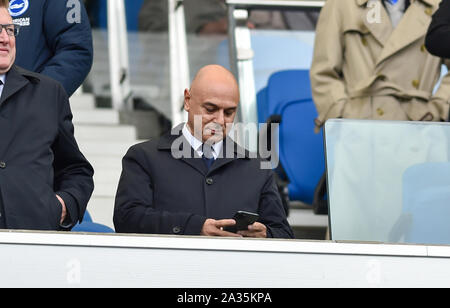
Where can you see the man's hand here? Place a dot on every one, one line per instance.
(64, 209)
(213, 227)
(256, 230)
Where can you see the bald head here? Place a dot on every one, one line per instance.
(217, 80)
(213, 98)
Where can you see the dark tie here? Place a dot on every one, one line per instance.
(208, 156)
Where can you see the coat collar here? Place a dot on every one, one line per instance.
(183, 151)
(413, 26)
(16, 79)
(364, 2)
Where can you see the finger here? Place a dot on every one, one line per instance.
(253, 234)
(228, 234)
(257, 227)
(245, 233)
(225, 223)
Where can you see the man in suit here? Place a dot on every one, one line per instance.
(45, 182)
(438, 37)
(370, 62)
(192, 181)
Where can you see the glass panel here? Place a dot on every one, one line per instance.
(389, 181)
(281, 40)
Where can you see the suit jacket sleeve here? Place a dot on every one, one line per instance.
(135, 211)
(328, 88)
(71, 42)
(438, 37)
(272, 213)
(73, 175)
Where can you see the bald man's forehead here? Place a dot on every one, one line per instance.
(219, 90)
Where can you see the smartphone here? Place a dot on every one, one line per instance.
(243, 220)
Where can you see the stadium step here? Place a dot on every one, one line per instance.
(100, 132)
(96, 116)
(105, 148)
(82, 102)
(104, 142)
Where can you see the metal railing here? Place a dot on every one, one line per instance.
(179, 61)
(241, 54)
(121, 93)
(118, 54)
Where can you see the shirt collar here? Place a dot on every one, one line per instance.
(3, 78)
(197, 145)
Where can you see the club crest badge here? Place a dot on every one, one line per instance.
(18, 7)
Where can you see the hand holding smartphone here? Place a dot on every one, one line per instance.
(243, 220)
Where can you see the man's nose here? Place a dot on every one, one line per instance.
(220, 118)
(4, 37)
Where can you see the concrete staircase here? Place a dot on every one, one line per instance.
(104, 142)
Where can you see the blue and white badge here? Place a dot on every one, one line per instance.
(393, 2)
(18, 7)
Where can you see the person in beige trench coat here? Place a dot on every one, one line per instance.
(363, 68)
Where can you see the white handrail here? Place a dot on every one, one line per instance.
(118, 54)
(241, 55)
(179, 62)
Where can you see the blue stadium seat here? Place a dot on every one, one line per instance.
(426, 204)
(261, 99)
(301, 154)
(89, 226)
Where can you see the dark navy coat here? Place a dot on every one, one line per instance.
(55, 39)
(39, 156)
(160, 194)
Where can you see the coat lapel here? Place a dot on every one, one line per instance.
(413, 26)
(180, 148)
(231, 151)
(14, 83)
(175, 141)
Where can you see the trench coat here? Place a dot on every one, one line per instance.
(363, 68)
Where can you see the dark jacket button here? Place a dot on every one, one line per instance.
(209, 181)
(176, 230)
(2, 164)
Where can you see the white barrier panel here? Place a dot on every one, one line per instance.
(80, 260)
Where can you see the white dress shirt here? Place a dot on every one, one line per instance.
(197, 145)
(396, 10)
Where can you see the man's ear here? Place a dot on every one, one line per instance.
(187, 100)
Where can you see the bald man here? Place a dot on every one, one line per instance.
(193, 180)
